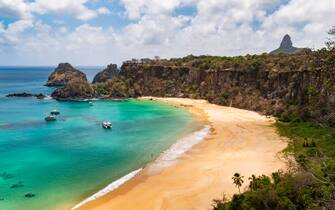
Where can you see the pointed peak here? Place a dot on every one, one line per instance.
(286, 42)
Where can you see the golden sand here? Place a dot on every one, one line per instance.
(240, 141)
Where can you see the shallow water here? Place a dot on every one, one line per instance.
(66, 161)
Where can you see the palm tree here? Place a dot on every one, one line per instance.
(253, 182)
(238, 181)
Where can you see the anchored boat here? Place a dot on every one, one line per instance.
(55, 112)
(107, 125)
(50, 118)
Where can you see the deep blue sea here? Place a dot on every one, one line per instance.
(64, 162)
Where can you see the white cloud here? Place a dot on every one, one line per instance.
(13, 33)
(219, 27)
(14, 8)
(69, 7)
(104, 11)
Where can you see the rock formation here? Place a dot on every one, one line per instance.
(24, 94)
(63, 74)
(108, 73)
(286, 47)
(74, 89)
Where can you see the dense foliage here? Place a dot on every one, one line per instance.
(280, 192)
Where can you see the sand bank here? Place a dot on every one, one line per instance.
(239, 141)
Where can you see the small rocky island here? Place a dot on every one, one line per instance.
(63, 74)
(24, 94)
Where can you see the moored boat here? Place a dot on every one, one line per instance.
(50, 118)
(107, 125)
(55, 112)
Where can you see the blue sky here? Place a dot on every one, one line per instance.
(99, 32)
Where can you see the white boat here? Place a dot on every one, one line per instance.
(107, 125)
(90, 103)
(55, 112)
(50, 118)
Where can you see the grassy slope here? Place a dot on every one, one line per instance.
(319, 159)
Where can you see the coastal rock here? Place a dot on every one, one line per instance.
(63, 74)
(75, 89)
(24, 94)
(286, 47)
(108, 73)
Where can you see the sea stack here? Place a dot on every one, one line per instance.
(75, 90)
(108, 73)
(63, 74)
(286, 47)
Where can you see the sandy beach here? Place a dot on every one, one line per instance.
(239, 141)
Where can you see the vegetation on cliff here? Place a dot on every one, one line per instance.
(75, 89)
(63, 74)
(106, 74)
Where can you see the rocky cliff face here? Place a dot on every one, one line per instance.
(289, 88)
(106, 74)
(63, 74)
(74, 89)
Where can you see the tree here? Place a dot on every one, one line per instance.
(331, 41)
(238, 181)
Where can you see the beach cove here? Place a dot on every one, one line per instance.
(239, 141)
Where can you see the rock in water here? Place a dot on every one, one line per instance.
(76, 89)
(108, 73)
(63, 74)
(24, 94)
(286, 47)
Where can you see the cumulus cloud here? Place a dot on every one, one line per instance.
(104, 11)
(76, 8)
(14, 8)
(219, 27)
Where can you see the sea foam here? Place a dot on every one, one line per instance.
(170, 156)
(109, 188)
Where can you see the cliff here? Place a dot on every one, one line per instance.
(293, 87)
(75, 89)
(106, 74)
(63, 74)
(283, 85)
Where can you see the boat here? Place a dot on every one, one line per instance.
(107, 125)
(90, 103)
(50, 118)
(55, 112)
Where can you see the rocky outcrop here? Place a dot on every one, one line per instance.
(24, 94)
(286, 47)
(76, 90)
(63, 74)
(108, 73)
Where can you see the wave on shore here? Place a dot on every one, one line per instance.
(109, 188)
(170, 156)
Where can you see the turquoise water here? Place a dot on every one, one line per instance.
(65, 161)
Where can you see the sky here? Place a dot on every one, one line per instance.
(100, 32)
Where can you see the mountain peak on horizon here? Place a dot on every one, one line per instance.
(286, 47)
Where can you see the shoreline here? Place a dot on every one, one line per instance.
(203, 171)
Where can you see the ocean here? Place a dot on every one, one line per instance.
(63, 162)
